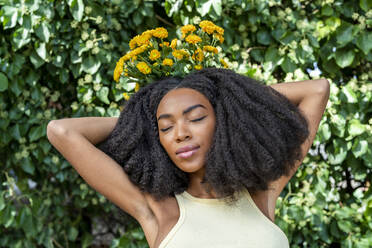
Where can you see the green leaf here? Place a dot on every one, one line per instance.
(325, 131)
(27, 165)
(137, 18)
(21, 37)
(278, 33)
(15, 132)
(333, 22)
(59, 59)
(334, 229)
(26, 221)
(87, 240)
(36, 133)
(10, 15)
(129, 86)
(345, 225)
(338, 152)
(204, 7)
(2, 202)
(355, 127)
(348, 94)
(44, 145)
(313, 41)
(72, 233)
(87, 97)
(272, 54)
(364, 41)
(36, 60)
(365, 5)
(64, 75)
(344, 33)
(91, 65)
(3, 82)
(327, 10)
(217, 6)
(41, 50)
(76, 9)
(359, 147)
(15, 87)
(258, 55)
(263, 37)
(344, 57)
(42, 31)
(103, 94)
(288, 38)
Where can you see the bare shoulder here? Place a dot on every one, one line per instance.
(266, 202)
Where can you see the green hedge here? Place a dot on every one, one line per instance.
(57, 60)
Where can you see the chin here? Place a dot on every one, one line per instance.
(190, 168)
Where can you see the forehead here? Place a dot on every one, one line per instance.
(179, 99)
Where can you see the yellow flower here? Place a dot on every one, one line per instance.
(155, 64)
(164, 43)
(137, 87)
(150, 32)
(219, 37)
(133, 42)
(193, 39)
(187, 29)
(126, 96)
(140, 40)
(219, 30)
(144, 39)
(223, 62)
(160, 33)
(127, 56)
(168, 62)
(143, 67)
(126, 72)
(207, 26)
(173, 44)
(198, 55)
(180, 54)
(198, 67)
(139, 50)
(154, 54)
(118, 69)
(211, 49)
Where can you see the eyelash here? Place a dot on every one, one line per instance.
(199, 119)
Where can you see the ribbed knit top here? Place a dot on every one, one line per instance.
(213, 223)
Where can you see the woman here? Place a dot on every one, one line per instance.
(204, 157)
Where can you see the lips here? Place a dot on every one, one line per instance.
(187, 148)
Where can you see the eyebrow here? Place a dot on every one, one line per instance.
(184, 112)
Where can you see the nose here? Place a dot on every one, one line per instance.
(182, 132)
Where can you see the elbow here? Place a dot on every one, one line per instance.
(55, 129)
(324, 86)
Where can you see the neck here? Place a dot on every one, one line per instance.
(197, 188)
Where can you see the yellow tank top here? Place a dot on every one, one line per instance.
(208, 223)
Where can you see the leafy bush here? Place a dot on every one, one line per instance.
(57, 59)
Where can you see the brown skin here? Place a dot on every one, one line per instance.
(177, 130)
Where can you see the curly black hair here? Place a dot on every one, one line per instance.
(257, 137)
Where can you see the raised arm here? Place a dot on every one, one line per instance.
(75, 138)
(311, 98)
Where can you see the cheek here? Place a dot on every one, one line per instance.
(164, 143)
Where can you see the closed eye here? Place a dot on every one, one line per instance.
(195, 120)
(201, 118)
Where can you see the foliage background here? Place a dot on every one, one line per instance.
(57, 60)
